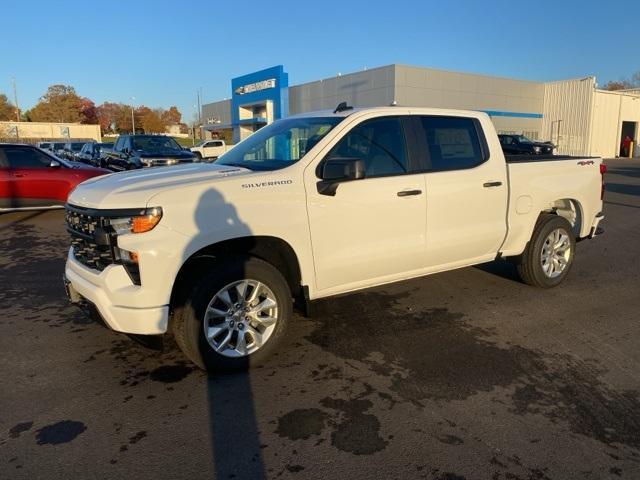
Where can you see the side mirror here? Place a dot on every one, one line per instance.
(337, 170)
(54, 164)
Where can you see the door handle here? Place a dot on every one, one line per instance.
(491, 184)
(407, 193)
(19, 175)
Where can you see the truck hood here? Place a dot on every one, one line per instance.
(133, 189)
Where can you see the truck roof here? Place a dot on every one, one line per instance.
(399, 110)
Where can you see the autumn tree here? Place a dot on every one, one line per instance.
(172, 116)
(624, 83)
(60, 103)
(88, 111)
(152, 121)
(7, 110)
(107, 114)
(613, 85)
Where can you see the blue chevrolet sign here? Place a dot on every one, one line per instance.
(258, 98)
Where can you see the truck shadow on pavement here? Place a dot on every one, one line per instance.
(500, 268)
(234, 431)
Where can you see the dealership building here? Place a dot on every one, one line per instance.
(573, 114)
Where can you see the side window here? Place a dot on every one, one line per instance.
(380, 143)
(118, 146)
(25, 157)
(453, 142)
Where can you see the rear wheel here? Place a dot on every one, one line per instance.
(548, 257)
(235, 317)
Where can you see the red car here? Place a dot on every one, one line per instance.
(31, 179)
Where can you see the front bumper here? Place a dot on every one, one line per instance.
(102, 289)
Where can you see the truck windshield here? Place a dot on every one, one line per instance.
(155, 144)
(280, 144)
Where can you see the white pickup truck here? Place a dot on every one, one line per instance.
(210, 149)
(312, 206)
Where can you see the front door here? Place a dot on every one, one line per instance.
(373, 229)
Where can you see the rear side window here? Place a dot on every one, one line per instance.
(21, 157)
(453, 142)
(380, 143)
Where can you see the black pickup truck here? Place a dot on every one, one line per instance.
(521, 145)
(138, 151)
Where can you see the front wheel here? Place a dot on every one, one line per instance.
(235, 317)
(548, 257)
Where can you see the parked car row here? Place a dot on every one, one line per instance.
(136, 151)
(41, 176)
(75, 151)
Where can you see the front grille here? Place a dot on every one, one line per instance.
(91, 254)
(161, 162)
(90, 240)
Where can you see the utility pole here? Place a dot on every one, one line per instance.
(199, 115)
(15, 98)
(133, 119)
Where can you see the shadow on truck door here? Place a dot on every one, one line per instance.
(233, 423)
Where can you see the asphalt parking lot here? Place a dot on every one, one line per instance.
(462, 375)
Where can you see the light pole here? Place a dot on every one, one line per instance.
(193, 126)
(15, 98)
(133, 119)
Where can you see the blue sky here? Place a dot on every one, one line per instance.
(162, 52)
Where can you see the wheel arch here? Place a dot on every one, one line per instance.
(272, 250)
(571, 210)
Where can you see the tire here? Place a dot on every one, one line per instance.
(546, 273)
(197, 156)
(201, 297)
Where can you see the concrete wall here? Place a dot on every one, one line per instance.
(517, 103)
(220, 110)
(49, 130)
(369, 88)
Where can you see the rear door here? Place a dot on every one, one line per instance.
(373, 229)
(466, 192)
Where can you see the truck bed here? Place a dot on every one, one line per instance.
(542, 158)
(539, 183)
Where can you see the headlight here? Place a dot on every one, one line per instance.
(138, 223)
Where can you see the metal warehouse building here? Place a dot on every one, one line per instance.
(574, 114)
